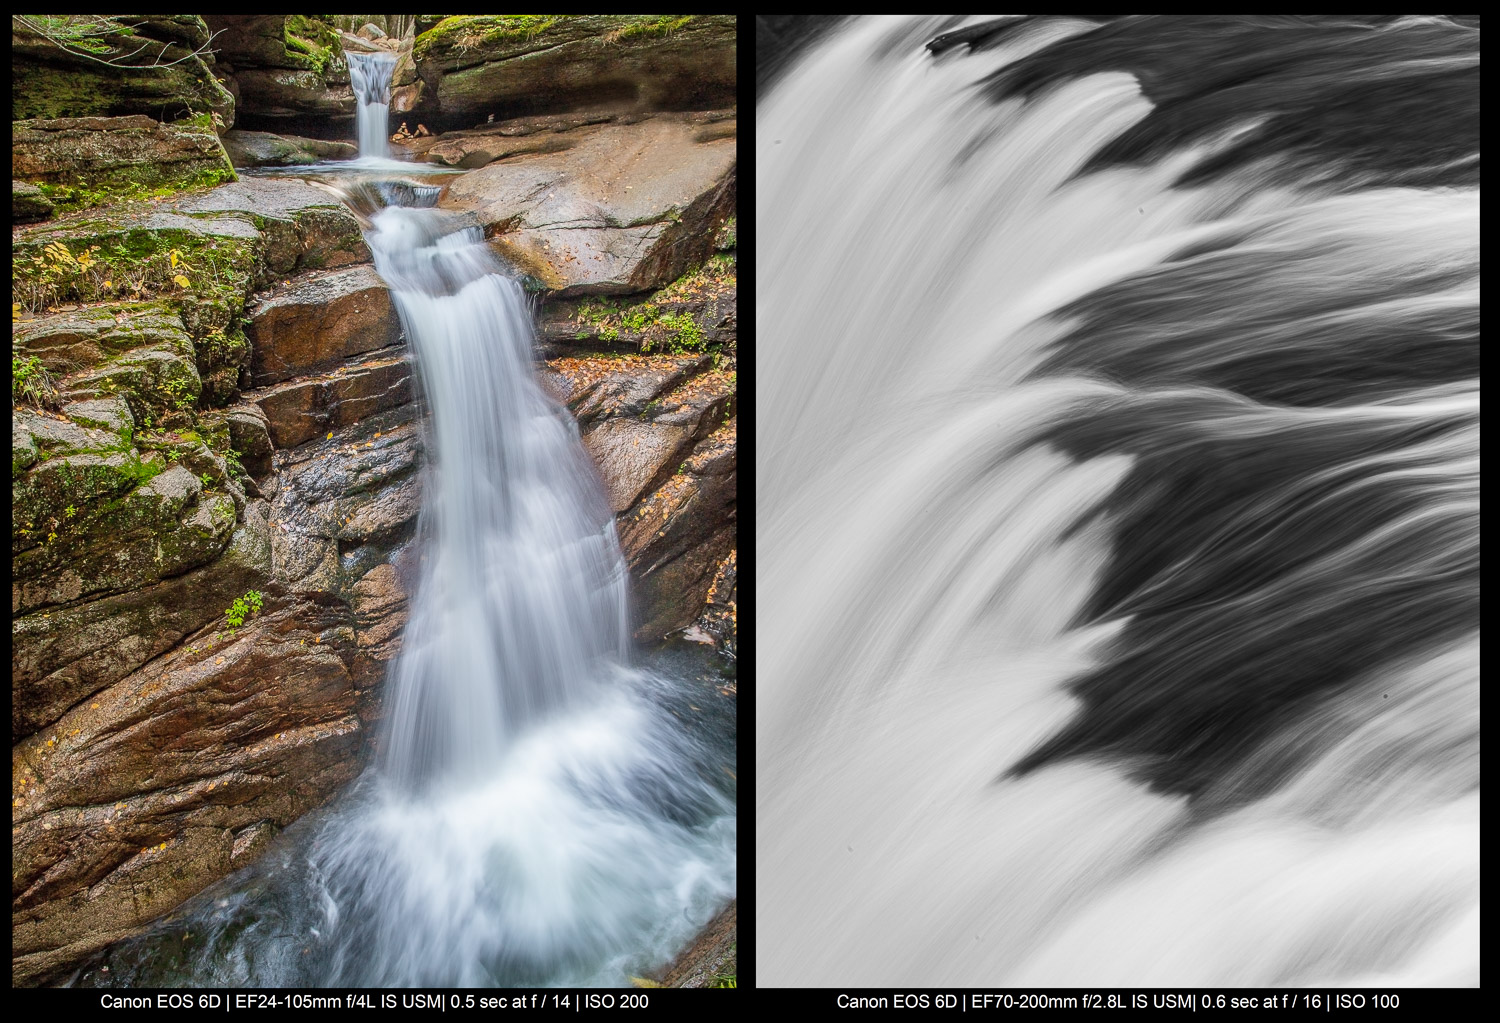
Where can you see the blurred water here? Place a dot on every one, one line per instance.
(1117, 523)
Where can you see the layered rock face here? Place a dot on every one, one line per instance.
(467, 68)
(221, 404)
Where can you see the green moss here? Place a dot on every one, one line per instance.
(651, 27)
(464, 32)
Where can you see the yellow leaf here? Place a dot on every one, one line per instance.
(181, 281)
(109, 284)
(643, 982)
(174, 257)
(330, 435)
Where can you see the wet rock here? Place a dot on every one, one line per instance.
(320, 320)
(342, 504)
(711, 955)
(104, 151)
(626, 208)
(135, 800)
(299, 410)
(62, 656)
(513, 64)
(267, 149)
(27, 203)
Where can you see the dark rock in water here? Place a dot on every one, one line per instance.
(266, 149)
(27, 203)
(104, 151)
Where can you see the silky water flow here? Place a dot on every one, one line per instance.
(538, 811)
(1117, 503)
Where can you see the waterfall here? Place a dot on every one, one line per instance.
(370, 77)
(539, 811)
(1117, 503)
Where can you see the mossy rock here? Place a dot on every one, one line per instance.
(72, 80)
(119, 153)
(28, 203)
(510, 64)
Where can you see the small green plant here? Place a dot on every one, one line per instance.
(207, 479)
(30, 382)
(232, 459)
(244, 607)
(723, 980)
(71, 511)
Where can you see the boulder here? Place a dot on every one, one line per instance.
(250, 435)
(318, 321)
(267, 149)
(118, 72)
(371, 31)
(293, 93)
(626, 208)
(120, 535)
(107, 152)
(519, 64)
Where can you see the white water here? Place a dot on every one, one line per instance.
(370, 77)
(535, 816)
(919, 573)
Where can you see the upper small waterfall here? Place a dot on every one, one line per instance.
(370, 75)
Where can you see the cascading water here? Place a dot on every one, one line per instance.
(370, 77)
(538, 814)
(1117, 497)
